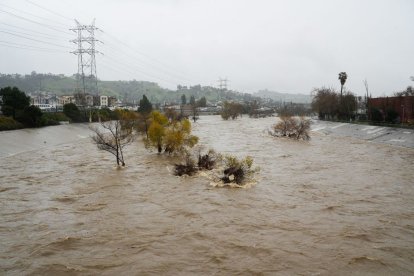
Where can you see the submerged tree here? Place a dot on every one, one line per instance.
(170, 136)
(297, 128)
(237, 170)
(231, 110)
(113, 136)
(178, 136)
(156, 130)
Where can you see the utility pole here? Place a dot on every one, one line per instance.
(86, 79)
(222, 85)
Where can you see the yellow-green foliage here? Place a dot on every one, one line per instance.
(178, 135)
(156, 130)
(171, 136)
(232, 161)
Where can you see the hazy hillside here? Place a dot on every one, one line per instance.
(283, 97)
(132, 91)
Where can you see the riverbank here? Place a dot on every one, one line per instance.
(29, 139)
(378, 134)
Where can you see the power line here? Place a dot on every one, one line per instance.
(34, 15)
(28, 47)
(32, 21)
(29, 34)
(143, 62)
(144, 55)
(131, 67)
(37, 40)
(32, 31)
(46, 9)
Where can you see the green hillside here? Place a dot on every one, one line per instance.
(127, 91)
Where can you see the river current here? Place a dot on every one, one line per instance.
(330, 206)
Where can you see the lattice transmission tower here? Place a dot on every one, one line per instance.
(222, 86)
(87, 78)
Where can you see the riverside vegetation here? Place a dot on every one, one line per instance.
(18, 113)
(170, 136)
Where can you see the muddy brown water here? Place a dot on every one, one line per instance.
(331, 206)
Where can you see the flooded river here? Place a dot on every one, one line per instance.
(330, 206)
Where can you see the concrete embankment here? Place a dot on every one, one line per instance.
(23, 140)
(388, 135)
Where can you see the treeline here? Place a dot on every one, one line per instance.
(129, 92)
(18, 113)
(330, 104)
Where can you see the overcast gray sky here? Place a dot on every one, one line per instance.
(285, 46)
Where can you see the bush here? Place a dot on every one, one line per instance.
(392, 116)
(237, 170)
(30, 116)
(205, 162)
(231, 110)
(376, 115)
(51, 119)
(72, 112)
(297, 128)
(188, 168)
(7, 123)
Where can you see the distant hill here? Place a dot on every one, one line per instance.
(127, 91)
(283, 97)
(132, 91)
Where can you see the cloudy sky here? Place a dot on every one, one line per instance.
(286, 46)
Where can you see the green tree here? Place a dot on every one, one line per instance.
(231, 110)
(72, 112)
(192, 100)
(13, 100)
(202, 102)
(183, 99)
(30, 116)
(145, 106)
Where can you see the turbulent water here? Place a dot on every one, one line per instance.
(330, 206)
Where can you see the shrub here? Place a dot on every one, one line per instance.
(205, 162)
(30, 116)
(237, 170)
(7, 123)
(297, 128)
(72, 112)
(209, 160)
(188, 168)
(376, 115)
(50, 119)
(392, 116)
(231, 110)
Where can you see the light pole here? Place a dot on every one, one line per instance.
(402, 121)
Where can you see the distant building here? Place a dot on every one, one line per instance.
(66, 99)
(104, 101)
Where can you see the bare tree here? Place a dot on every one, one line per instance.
(113, 136)
(297, 128)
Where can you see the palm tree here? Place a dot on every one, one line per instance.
(342, 78)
